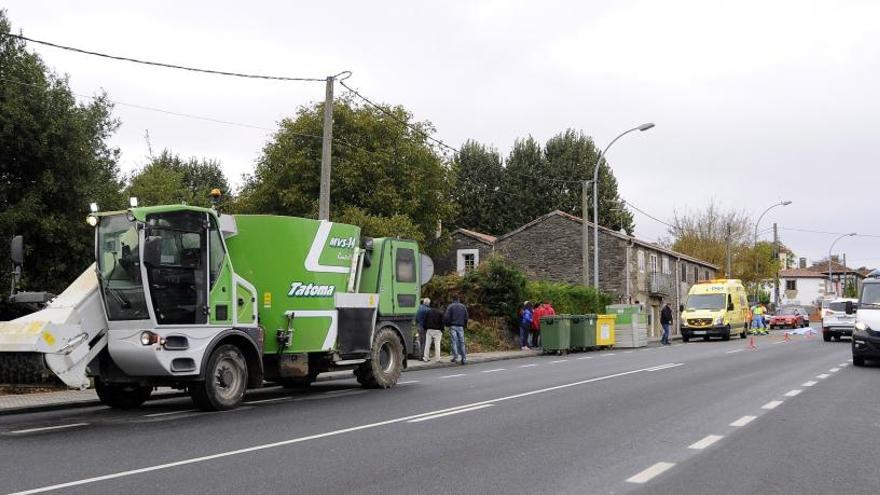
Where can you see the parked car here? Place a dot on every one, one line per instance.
(790, 317)
(835, 322)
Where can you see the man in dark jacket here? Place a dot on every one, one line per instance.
(434, 326)
(665, 322)
(421, 313)
(456, 319)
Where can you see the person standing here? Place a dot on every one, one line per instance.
(546, 310)
(434, 327)
(525, 325)
(420, 321)
(456, 319)
(665, 322)
(535, 330)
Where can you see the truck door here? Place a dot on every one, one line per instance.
(406, 277)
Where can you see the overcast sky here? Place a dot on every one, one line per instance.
(754, 102)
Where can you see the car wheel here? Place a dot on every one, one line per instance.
(826, 337)
(685, 338)
(726, 335)
(858, 361)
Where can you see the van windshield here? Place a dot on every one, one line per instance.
(706, 301)
(870, 296)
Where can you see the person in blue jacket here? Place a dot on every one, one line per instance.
(525, 325)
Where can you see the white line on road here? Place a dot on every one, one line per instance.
(344, 393)
(676, 345)
(650, 473)
(492, 371)
(154, 415)
(664, 366)
(609, 354)
(809, 383)
(780, 342)
(734, 351)
(47, 428)
(743, 421)
(527, 365)
(705, 442)
(292, 441)
(585, 357)
(261, 401)
(834, 370)
(627, 352)
(453, 376)
(449, 413)
(823, 376)
(773, 404)
(559, 361)
(792, 393)
(843, 365)
(407, 382)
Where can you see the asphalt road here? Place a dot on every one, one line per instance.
(703, 417)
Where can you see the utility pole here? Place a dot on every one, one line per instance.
(843, 284)
(585, 234)
(326, 147)
(729, 254)
(776, 254)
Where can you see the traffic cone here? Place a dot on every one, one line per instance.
(752, 343)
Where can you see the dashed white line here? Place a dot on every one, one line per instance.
(834, 370)
(705, 442)
(585, 357)
(47, 428)
(261, 401)
(607, 355)
(677, 345)
(449, 413)
(527, 365)
(407, 382)
(843, 365)
(627, 352)
(823, 376)
(559, 361)
(650, 473)
(154, 415)
(792, 393)
(453, 376)
(734, 351)
(773, 404)
(743, 421)
(780, 342)
(809, 383)
(492, 371)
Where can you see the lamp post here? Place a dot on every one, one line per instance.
(643, 127)
(755, 243)
(830, 281)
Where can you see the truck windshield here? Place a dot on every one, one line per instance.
(706, 301)
(119, 269)
(870, 296)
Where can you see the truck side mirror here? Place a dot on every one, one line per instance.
(152, 251)
(16, 250)
(850, 308)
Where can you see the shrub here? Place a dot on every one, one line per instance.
(567, 298)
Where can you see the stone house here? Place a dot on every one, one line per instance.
(550, 248)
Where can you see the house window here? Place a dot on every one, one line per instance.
(684, 272)
(791, 285)
(652, 263)
(640, 256)
(467, 260)
(665, 266)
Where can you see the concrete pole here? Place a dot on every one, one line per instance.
(776, 250)
(326, 147)
(585, 234)
(830, 250)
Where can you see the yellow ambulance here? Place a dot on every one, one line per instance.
(715, 308)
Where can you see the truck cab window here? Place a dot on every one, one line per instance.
(405, 266)
(218, 254)
(119, 269)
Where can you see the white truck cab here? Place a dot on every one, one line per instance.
(866, 331)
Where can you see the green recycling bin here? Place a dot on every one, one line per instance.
(583, 332)
(556, 333)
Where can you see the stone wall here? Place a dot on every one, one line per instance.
(448, 263)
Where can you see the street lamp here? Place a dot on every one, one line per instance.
(830, 281)
(755, 243)
(643, 127)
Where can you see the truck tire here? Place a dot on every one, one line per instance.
(383, 368)
(122, 395)
(742, 334)
(225, 380)
(726, 335)
(685, 338)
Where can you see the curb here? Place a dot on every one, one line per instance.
(332, 376)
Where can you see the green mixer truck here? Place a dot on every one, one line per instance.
(215, 304)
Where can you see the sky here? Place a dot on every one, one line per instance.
(754, 101)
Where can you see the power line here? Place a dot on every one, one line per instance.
(652, 217)
(163, 64)
(808, 231)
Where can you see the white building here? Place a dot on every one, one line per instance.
(801, 286)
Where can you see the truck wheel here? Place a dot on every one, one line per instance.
(726, 335)
(225, 380)
(826, 336)
(122, 395)
(742, 334)
(685, 338)
(383, 368)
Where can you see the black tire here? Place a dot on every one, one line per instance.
(685, 338)
(225, 380)
(706, 338)
(383, 368)
(743, 334)
(726, 335)
(122, 395)
(858, 361)
(826, 336)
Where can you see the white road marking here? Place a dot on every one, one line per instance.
(492, 371)
(261, 401)
(609, 354)
(734, 351)
(559, 361)
(449, 413)
(326, 396)
(627, 352)
(650, 473)
(453, 376)
(407, 382)
(292, 441)
(585, 357)
(154, 415)
(773, 404)
(743, 421)
(676, 345)
(843, 365)
(823, 376)
(47, 428)
(780, 342)
(834, 370)
(528, 365)
(792, 393)
(664, 366)
(809, 383)
(705, 442)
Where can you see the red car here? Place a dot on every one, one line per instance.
(789, 317)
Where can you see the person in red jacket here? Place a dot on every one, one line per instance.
(543, 309)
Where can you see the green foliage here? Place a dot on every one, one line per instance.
(378, 226)
(480, 202)
(167, 179)
(851, 290)
(495, 288)
(54, 161)
(568, 299)
(380, 166)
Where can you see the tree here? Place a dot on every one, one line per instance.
(380, 166)
(167, 179)
(481, 203)
(530, 195)
(54, 161)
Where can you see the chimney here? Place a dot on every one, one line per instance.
(802, 263)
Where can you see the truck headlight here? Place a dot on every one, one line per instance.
(860, 326)
(719, 320)
(149, 338)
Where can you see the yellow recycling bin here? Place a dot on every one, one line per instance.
(605, 330)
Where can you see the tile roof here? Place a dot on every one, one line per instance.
(485, 238)
(800, 273)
